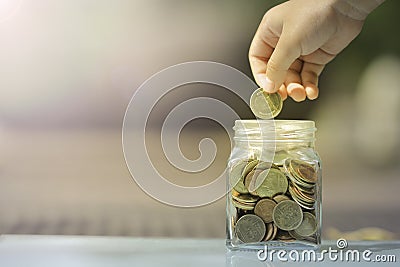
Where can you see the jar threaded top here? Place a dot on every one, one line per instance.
(275, 130)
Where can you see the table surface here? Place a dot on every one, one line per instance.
(40, 250)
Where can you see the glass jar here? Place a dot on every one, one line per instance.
(274, 179)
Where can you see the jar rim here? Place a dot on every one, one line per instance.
(275, 130)
(276, 123)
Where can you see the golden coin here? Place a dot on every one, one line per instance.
(243, 206)
(294, 192)
(279, 198)
(249, 167)
(300, 202)
(308, 191)
(251, 178)
(265, 105)
(294, 177)
(234, 193)
(275, 231)
(303, 196)
(269, 183)
(235, 174)
(270, 231)
(235, 177)
(245, 198)
(264, 209)
(304, 171)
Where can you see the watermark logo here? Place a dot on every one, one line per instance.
(340, 253)
(144, 163)
(341, 243)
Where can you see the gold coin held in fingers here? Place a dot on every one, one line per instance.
(265, 105)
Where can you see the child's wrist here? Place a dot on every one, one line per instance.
(356, 9)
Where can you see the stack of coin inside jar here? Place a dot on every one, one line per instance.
(274, 202)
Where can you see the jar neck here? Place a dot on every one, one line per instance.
(280, 132)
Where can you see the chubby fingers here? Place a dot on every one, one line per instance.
(309, 76)
(301, 81)
(293, 83)
(283, 92)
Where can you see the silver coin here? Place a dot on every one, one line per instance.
(250, 228)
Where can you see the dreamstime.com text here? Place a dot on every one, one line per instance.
(340, 253)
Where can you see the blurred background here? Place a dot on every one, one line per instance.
(69, 68)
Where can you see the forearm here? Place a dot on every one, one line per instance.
(356, 9)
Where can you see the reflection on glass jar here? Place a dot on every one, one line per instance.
(274, 179)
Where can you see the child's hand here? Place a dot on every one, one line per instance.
(295, 40)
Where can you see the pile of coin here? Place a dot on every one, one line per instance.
(302, 182)
(274, 202)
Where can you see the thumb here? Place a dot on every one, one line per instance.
(285, 53)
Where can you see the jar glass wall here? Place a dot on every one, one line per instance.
(274, 180)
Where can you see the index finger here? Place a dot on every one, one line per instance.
(259, 53)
